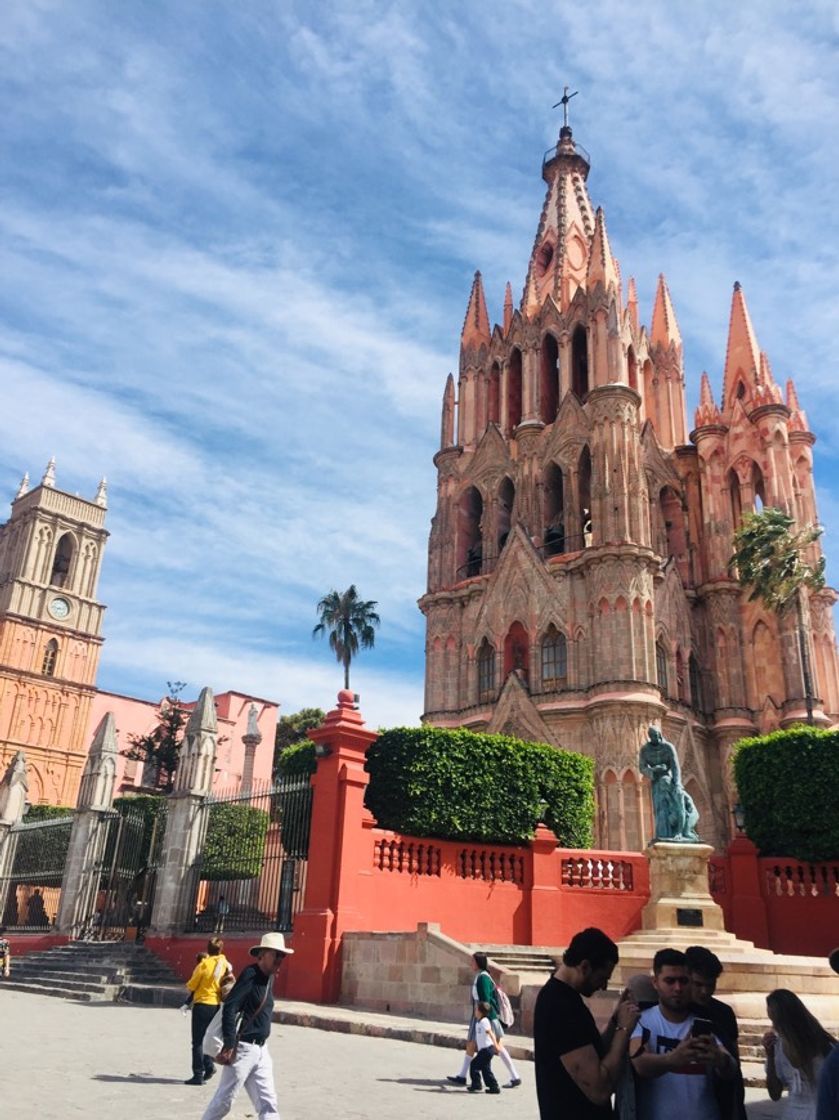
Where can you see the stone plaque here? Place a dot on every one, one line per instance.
(689, 917)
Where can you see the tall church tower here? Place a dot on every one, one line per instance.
(578, 583)
(50, 632)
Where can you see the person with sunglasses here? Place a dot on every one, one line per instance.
(674, 1051)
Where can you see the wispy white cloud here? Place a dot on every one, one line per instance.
(235, 252)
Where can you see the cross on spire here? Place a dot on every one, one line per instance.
(563, 101)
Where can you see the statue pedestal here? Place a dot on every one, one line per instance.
(679, 894)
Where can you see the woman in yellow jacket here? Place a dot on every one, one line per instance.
(205, 984)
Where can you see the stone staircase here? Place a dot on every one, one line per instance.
(89, 971)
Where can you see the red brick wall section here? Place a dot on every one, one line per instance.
(23, 943)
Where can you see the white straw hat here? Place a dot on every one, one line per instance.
(272, 941)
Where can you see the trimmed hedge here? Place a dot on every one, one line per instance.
(235, 842)
(462, 785)
(298, 759)
(787, 783)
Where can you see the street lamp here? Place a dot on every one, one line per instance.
(739, 818)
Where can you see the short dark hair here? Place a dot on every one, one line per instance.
(702, 960)
(480, 960)
(668, 958)
(215, 946)
(591, 945)
(832, 960)
(485, 1007)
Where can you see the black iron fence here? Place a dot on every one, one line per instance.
(30, 890)
(251, 871)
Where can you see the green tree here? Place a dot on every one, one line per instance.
(160, 748)
(292, 729)
(350, 623)
(769, 559)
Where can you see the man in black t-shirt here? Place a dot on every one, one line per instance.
(704, 970)
(576, 1066)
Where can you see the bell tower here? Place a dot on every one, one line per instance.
(50, 631)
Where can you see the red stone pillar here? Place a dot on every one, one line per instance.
(339, 851)
(748, 907)
(543, 888)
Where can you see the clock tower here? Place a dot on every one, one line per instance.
(50, 632)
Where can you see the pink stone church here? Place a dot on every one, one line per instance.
(578, 579)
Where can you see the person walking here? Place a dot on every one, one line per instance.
(205, 991)
(486, 1046)
(484, 991)
(796, 1049)
(828, 1101)
(246, 1025)
(679, 1057)
(577, 1068)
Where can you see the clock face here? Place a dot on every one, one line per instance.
(59, 608)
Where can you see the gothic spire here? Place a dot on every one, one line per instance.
(101, 498)
(707, 412)
(48, 478)
(24, 486)
(664, 328)
(742, 355)
(632, 304)
(447, 422)
(508, 307)
(798, 417)
(602, 266)
(476, 324)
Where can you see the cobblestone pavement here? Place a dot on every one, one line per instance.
(62, 1061)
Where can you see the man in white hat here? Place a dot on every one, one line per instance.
(246, 1023)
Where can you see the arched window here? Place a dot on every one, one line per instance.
(470, 550)
(632, 368)
(734, 498)
(674, 523)
(584, 489)
(50, 658)
(63, 560)
(758, 488)
(661, 667)
(486, 671)
(514, 391)
(494, 395)
(554, 660)
(506, 498)
(696, 698)
(549, 382)
(579, 362)
(554, 491)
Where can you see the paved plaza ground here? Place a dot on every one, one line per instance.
(63, 1060)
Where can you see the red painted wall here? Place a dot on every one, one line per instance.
(23, 943)
(180, 952)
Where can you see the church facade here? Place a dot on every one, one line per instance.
(578, 570)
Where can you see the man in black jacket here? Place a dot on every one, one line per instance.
(704, 969)
(246, 1023)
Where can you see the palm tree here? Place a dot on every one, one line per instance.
(768, 557)
(350, 623)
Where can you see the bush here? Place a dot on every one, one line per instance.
(297, 760)
(41, 853)
(459, 785)
(235, 842)
(787, 783)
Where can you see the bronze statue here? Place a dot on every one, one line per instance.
(673, 807)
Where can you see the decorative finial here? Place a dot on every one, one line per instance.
(563, 101)
(49, 474)
(101, 498)
(24, 486)
(736, 285)
(253, 726)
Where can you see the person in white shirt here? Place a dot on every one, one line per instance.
(674, 1052)
(487, 1048)
(796, 1048)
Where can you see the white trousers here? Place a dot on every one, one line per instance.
(253, 1069)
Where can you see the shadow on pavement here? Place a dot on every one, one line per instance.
(422, 1082)
(137, 1079)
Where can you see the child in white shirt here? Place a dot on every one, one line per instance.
(485, 1040)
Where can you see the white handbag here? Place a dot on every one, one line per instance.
(213, 1043)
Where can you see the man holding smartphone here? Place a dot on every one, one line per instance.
(675, 1052)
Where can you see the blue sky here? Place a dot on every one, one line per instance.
(236, 245)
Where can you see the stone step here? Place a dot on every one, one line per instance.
(74, 983)
(157, 995)
(47, 990)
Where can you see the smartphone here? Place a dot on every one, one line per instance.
(701, 1028)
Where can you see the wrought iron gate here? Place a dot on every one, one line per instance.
(30, 888)
(251, 872)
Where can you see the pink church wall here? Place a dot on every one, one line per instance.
(138, 717)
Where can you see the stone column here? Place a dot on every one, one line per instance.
(13, 804)
(186, 820)
(338, 858)
(89, 834)
(252, 738)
